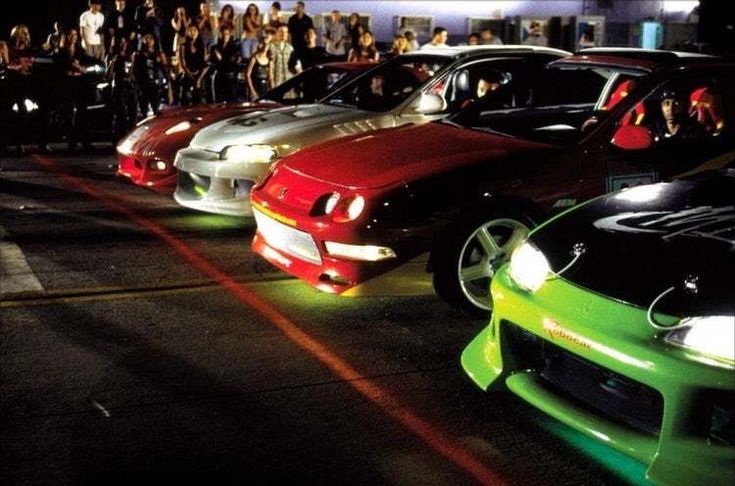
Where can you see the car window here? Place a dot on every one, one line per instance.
(688, 108)
(505, 81)
(570, 86)
(308, 87)
(388, 85)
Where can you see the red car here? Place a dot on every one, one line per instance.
(147, 153)
(466, 191)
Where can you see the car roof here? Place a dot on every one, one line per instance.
(644, 59)
(463, 51)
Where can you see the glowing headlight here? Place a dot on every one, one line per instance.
(712, 336)
(30, 105)
(157, 165)
(348, 209)
(368, 253)
(249, 153)
(529, 268)
(179, 127)
(331, 203)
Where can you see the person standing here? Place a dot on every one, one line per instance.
(150, 69)
(226, 58)
(119, 23)
(250, 31)
(310, 56)
(179, 23)
(193, 60)
(148, 21)
(335, 36)
(280, 52)
(365, 50)
(354, 30)
(259, 73)
(275, 19)
(488, 38)
(298, 25)
(438, 39)
(53, 41)
(91, 25)
(72, 101)
(204, 24)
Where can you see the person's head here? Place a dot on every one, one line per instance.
(336, 16)
(366, 39)
(473, 39)
(440, 35)
(275, 9)
(400, 44)
(57, 27)
(227, 12)
(225, 34)
(262, 48)
(673, 105)
(489, 81)
(252, 11)
(192, 32)
(354, 19)
(311, 36)
(70, 39)
(204, 9)
(119, 5)
(181, 11)
(281, 33)
(299, 8)
(269, 35)
(409, 36)
(486, 34)
(149, 42)
(21, 36)
(121, 44)
(148, 3)
(95, 6)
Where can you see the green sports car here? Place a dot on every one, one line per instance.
(618, 318)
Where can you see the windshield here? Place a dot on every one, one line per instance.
(311, 85)
(388, 85)
(563, 103)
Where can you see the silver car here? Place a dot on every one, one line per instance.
(223, 160)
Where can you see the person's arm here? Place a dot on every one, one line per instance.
(176, 24)
(83, 28)
(271, 76)
(351, 56)
(249, 75)
(376, 57)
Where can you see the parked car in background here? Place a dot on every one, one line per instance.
(218, 169)
(466, 191)
(618, 319)
(146, 154)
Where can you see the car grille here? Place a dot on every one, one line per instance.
(616, 397)
(193, 184)
(287, 239)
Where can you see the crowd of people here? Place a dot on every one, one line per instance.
(210, 58)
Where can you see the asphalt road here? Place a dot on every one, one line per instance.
(140, 340)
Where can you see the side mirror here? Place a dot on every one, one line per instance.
(431, 103)
(632, 137)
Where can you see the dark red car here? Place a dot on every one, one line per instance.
(466, 191)
(146, 154)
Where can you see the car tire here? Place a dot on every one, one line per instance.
(464, 267)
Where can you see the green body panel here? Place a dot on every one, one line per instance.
(615, 336)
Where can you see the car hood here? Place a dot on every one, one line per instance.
(638, 243)
(392, 156)
(272, 126)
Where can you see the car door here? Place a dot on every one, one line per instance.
(644, 146)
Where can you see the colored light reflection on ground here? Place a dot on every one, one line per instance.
(626, 468)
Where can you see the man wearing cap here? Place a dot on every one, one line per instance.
(675, 123)
(90, 27)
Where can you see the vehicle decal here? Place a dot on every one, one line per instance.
(565, 203)
(624, 181)
(704, 221)
(555, 331)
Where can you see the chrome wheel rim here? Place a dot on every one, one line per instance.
(487, 248)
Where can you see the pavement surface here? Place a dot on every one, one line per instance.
(142, 341)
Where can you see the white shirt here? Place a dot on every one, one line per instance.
(429, 45)
(89, 25)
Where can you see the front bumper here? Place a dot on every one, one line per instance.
(303, 255)
(206, 183)
(661, 402)
(137, 168)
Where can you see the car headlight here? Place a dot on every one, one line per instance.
(529, 268)
(370, 253)
(347, 209)
(711, 336)
(249, 153)
(179, 127)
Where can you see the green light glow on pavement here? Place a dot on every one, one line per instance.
(626, 468)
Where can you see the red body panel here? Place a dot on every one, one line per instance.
(370, 166)
(155, 145)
